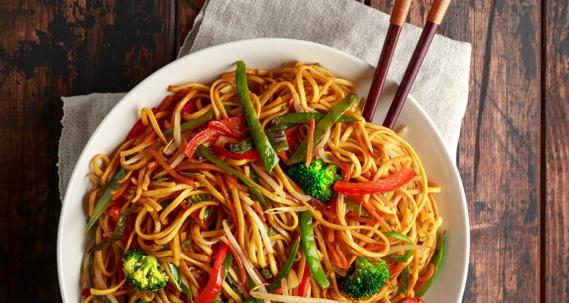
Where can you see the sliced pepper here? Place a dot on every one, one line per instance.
(197, 122)
(403, 284)
(383, 185)
(322, 126)
(105, 198)
(266, 151)
(216, 277)
(303, 118)
(138, 127)
(227, 127)
(118, 231)
(248, 155)
(311, 252)
(286, 267)
(438, 259)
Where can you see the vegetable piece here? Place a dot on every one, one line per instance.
(383, 185)
(248, 155)
(317, 179)
(323, 125)
(356, 207)
(138, 127)
(404, 281)
(105, 198)
(365, 278)
(310, 145)
(179, 284)
(438, 259)
(286, 267)
(412, 300)
(143, 272)
(311, 252)
(266, 151)
(255, 191)
(227, 127)
(304, 281)
(197, 122)
(399, 258)
(118, 231)
(216, 277)
(303, 118)
(277, 138)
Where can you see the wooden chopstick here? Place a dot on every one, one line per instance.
(434, 19)
(398, 18)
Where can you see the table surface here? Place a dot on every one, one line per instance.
(512, 157)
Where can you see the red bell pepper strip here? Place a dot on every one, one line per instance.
(200, 138)
(190, 107)
(216, 277)
(115, 212)
(138, 128)
(230, 127)
(86, 292)
(305, 281)
(384, 185)
(248, 155)
(412, 300)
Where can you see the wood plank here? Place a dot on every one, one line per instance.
(187, 11)
(499, 152)
(556, 204)
(56, 48)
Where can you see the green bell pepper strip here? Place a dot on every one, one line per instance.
(323, 125)
(356, 207)
(178, 283)
(197, 122)
(266, 152)
(438, 258)
(404, 282)
(286, 267)
(255, 191)
(117, 232)
(105, 198)
(404, 258)
(303, 118)
(276, 136)
(310, 250)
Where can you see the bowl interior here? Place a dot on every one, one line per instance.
(205, 66)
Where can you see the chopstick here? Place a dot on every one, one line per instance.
(398, 18)
(434, 19)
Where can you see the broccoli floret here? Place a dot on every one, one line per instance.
(365, 278)
(143, 272)
(317, 179)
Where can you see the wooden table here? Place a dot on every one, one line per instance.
(513, 154)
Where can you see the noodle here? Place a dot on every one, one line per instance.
(187, 207)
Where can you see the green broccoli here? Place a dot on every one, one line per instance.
(317, 179)
(143, 271)
(365, 278)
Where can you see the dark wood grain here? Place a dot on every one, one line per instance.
(556, 155)
(499, 151)
(49, 49)
(187, 11)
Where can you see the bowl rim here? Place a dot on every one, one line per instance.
(77, 171)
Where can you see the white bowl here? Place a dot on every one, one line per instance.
(205, 66)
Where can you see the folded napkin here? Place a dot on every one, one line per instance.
(441, 86)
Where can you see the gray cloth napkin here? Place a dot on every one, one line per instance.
(441, 86)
